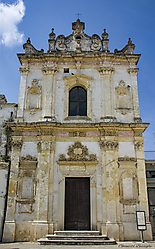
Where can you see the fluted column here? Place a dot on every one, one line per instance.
(107, 105)
(49, 96)
(133, 74)
(9, 227)
(22, 93)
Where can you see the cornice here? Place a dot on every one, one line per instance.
(84, 57)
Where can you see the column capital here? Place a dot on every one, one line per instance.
(24, 70)
(109, 145)
(139, 145)
(106, 70)
(45, 145)
(17, 144)
(49, 70)
(133, 71)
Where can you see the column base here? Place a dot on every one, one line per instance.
(9, 231)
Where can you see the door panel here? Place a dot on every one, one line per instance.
(77, 204)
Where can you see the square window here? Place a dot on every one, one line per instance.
(66, 70)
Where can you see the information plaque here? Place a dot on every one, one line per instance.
(141, 220)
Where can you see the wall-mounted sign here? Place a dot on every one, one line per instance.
(141, 220)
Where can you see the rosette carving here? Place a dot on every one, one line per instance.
(109, 145)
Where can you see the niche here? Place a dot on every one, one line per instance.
(34, 95)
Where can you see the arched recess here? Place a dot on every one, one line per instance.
(81, 81)
(128, 187)
(34, 95)
(123, 100)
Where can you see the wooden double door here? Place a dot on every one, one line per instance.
(77, 203)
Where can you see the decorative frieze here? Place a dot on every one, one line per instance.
(77, 134)
(109, 145)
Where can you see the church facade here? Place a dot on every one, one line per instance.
(77, 160)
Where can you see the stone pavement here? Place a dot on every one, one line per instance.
(119, 245)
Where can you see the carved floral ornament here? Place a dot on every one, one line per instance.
(78, 152)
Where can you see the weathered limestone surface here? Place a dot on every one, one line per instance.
(49, 145)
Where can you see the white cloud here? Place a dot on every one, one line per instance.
(10, 16)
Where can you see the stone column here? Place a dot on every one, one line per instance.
(107, 105)
(133, 74)
(49, 95)
(22, 93)
(109, 150)
(9, 226)
(40, 224)
(141, 175)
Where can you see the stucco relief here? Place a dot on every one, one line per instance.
(78, 152)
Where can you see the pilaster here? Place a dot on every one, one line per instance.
(110, 192)
(141, 175)
(49, 97)
(9, 226)
(107, 105)
(133, 74)
(40, 225)
(22, 91)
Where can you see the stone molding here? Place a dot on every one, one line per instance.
(133, 71)
(78, 152)
(106, 70)
(109, 145)
(127, 159)
(139, 145)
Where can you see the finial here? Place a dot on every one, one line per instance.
(28, 40)
(129, 41)
(104, 35)
(52, 35)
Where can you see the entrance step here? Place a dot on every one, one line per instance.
(76, 238)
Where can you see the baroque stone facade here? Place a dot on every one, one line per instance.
(78, 117)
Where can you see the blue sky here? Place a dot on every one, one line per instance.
(122, 19)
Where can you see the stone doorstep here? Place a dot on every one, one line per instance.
(67, 237)
(76, 233)
(76, 238)
(77, 242)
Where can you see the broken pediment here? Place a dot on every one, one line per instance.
(128, 49)
(30, 49)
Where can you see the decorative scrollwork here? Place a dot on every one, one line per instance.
(17, 145)
(78, 152)
(28, 158)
